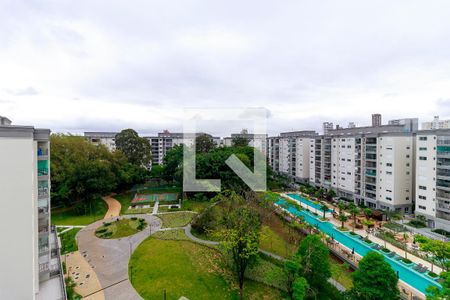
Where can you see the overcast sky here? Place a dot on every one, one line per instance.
(107, 65)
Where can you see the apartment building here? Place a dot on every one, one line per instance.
(102, 138)
(258, 141)
(30, 261)
(373, 166)
(166, 140)
(273, 153)
(432, 189)
(436, 124)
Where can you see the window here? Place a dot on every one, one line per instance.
(389, 198)
(421, 187)
(388, 164)
(422, 207)
(422, 197)
(388, 173)
(423, 138)
(422, 148)
(422, 158)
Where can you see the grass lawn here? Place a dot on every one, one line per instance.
(187, 269)
(71, 216)
(68, 242)
(134, 211)
(341, 273)
(122, 228)
(178, 219)
(273, 242)
(125, 200)
(197, 206)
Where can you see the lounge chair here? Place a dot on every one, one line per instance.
(423, 270)
(418, 267)
(391, 254)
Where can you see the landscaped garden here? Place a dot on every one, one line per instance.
(68, 241)
(120, 228)
(168, 262)
(79, 215)
(176, 219)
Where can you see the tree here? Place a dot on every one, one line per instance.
(315, 265)
(299, 288)
(343, 218)
(136, 149)
(434, 293)
(439, 250)
(324, 209)
(353, 211)
(375, 279)
(367, 213)
(240, 141)
(341, 205)
(291, 269)
(240, 239)
(204, 143)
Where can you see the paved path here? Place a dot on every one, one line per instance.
(114, 207)
(155, 208)
(109, 257)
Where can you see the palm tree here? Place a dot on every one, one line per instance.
(354, 211)
(367, 213)
(324, 209)
(341, 206)
(405, 239)
(342, 218)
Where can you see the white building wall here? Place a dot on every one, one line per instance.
(18, 193)
(426, 175)
(395, 172)
(343, 164)
(284, 155)
(302, 162)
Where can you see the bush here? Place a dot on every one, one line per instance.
(432, 274)
(417, 224)
(406, 261)
(385, 250)
(368, 241)
(134, 218)
(101, 230)
(442, 232)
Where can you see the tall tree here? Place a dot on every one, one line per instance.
(240, 141)
(315, 266)
(300, 288)
(136, 149)
(292, 270)
(434, 293)
(353, 211)
(375, 279)
(204, 143)
(240, 239)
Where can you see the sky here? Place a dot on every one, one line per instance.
(75, 66)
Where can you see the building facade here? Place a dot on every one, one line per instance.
(436, 124)
(102, 138)
(432, 186)
(30, 257)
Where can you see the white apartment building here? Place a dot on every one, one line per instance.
(102, 138)
(432, 187)
(289, 154)
(436, 124)
(29, 256)
(373, 166)
(258, 141)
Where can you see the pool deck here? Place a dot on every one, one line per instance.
(413, 258)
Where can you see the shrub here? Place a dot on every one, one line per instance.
(442, 232)
(417, 223)
(368, 241)
(106, 224)
(385, 250)
(432, 274)
(101, 230)
(134, 218)
(406, 261)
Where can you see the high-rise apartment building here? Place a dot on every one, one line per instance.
(409, 124)
(293, 153)
(102, 138)
(29, 259)
(372, 166)
(327, 126)
(432, 188)
(376, 120)
(436, 124)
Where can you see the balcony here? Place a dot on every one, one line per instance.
(370, 156)
(371, 173)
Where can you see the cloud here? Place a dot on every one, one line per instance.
(99, 65)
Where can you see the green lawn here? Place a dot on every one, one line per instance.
(341, 273)
(122, 228)
(134, 211)
(197, 206)
(178, 219)
(273, 242)
(125, 200)
(72, 216)
(68, 242)
(184, 268)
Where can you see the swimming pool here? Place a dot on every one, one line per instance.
(405, 273)
(307, 202)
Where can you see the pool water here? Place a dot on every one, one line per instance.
(307, 202)
(406, 274)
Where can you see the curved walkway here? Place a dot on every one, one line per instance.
(109, 257)
(114, 207)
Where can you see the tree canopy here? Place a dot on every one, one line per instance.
(136, 149)
(240, 141)
(375, 279)
(204, 143)
(82, 172)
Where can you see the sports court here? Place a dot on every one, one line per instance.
(149, 198)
